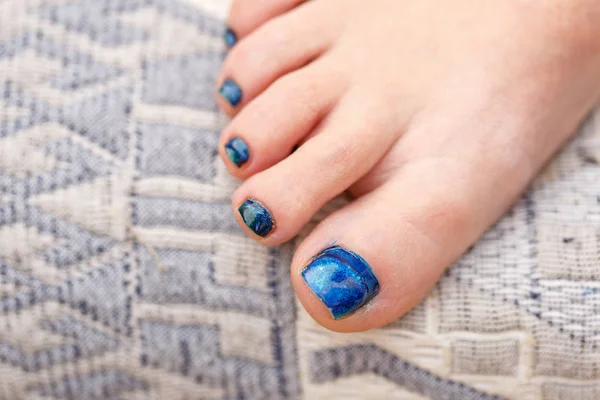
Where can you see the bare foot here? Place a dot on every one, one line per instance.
(434, 116)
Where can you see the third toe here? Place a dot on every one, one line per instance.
(267, 130)
(291, 191)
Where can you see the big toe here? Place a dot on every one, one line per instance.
(370, 262)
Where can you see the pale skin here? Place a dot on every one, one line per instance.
(433, 115)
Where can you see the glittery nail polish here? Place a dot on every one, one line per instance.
(342, 279)
(237, 151)
(230, 38)
(231, 92)
(257, 217)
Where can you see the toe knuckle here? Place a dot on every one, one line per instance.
(439, 219)
(338, 154)
(443, 209)
(453, 212)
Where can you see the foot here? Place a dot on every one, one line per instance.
(433, 117)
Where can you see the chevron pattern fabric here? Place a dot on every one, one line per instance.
(123, 274)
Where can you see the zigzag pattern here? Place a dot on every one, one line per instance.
(361, 359)
(123, 274)
(115, 283)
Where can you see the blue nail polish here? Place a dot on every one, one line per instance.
(237, 151)
(342, 279)
(257, 217)
(230, 38)
(231, 92)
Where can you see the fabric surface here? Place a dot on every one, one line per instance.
(124, 276)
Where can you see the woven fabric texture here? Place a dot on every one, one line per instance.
(123, 274)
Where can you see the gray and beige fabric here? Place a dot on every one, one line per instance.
(124, 276)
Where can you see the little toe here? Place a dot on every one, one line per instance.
(247, 15)
(280, 46)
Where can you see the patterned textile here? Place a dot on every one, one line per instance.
(124, 276)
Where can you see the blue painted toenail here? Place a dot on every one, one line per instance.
(342, 279)
(231, 92)
(230, 38)
(237, 151)
(257, 217)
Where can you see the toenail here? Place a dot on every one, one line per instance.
(230, 38)
(342, 279)
(237, 151)
(257, 217)
(231, 92)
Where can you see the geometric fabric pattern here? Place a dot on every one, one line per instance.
(123, 274)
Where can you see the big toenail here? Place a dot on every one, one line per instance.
(231, 92)
(342, 279)
(257, 217)
(230, 38)
(237, 151)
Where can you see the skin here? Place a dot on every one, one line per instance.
(434, 117)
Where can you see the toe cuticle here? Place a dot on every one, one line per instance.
(230, 37)
(231, 92)
(342, 280)
(237, 151)
(257, 218)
